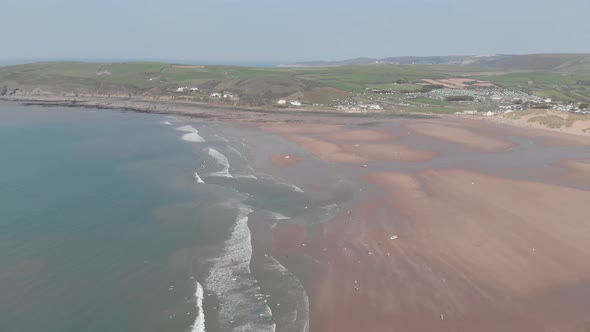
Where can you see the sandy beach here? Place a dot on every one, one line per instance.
(467, 246)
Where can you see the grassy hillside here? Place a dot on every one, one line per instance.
(263, 86)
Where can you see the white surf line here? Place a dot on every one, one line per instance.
(222, 161)
(187, 128)
(199, 325)
(246, 176)
(282, 183)
(166, 123)
(292, 186)
(192, 134)
(231, 280)
(198, 178)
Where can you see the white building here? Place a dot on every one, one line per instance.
(216, 95)
(185, 89)
(295, 103)
(282, 102)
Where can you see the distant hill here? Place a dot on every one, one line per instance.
(554, 62)
(402, 60)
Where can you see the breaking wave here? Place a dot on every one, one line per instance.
(198, 178)
(222, 161)
(292, 186)
(192, 134)
(188, 129)
(199, 325)
(242, 307)
(246, 176)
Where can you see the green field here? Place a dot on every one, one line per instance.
(263, 86)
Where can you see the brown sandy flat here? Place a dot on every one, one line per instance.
(464, 137)
(582, 166)
(578, 169)
(360, 136)
(359, 153)
(473, 253)
(556, 139)
(387, 152)
(298, 128)
(285, 160)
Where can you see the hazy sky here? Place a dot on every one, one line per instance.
(285, 30)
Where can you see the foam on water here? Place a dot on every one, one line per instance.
(188, 129)
(222, 161)
(199, 325)
(166, 123)
(230, 278)
(297, 318)
(198, 178)
(246, 176)
(282, 183)
(192, 134)
(223, 139)
(292, 186)
(193, 137)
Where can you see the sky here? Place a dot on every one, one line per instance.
(226, 31)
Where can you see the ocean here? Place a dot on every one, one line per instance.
(119, 221)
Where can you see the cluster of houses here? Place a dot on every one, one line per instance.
(493, 95)
(580, 108)
(359, 107)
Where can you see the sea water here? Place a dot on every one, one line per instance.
(118, 221)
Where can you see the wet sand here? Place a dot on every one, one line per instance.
(285, 160)
(461, 247)
(361, 146)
